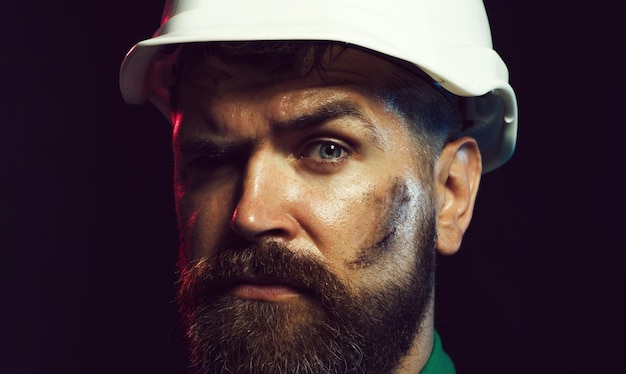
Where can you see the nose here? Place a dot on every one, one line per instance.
(264, 207)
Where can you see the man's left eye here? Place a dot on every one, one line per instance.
(325, 151)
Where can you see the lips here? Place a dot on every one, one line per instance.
(272, 289)
(264, 291)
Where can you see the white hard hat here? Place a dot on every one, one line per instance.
(450, 40)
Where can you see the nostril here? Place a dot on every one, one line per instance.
(236, 223)
(273, 232)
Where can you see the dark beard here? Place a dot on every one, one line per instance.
(329, 330)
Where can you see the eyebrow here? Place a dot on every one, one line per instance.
(213, 149)
(329, 112)
(318, 117)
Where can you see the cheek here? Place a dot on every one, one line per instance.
(203, 219)
(400, 231)
(336, 211)
(343, 217)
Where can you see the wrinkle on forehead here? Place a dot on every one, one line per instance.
(290, 105)
(301, 100)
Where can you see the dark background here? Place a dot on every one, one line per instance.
(87, 230)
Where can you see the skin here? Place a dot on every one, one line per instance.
(249, 167)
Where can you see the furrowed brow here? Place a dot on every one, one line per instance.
(329, 112)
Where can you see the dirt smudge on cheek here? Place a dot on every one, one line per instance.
(395, 210)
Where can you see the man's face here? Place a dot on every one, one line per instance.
(306, 216)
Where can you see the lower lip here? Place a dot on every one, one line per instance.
(264, 292)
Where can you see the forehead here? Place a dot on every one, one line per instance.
(222, 87)
(219, 65)
(214, 82)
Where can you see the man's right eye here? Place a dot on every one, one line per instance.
(215, 161)
(205, 162)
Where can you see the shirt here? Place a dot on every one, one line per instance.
(439, 362)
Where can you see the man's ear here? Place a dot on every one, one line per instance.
(457, 176)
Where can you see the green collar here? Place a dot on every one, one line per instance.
(439, 362)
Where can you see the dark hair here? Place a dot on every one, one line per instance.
(430, 111)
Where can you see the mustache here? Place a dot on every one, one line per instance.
(266, 262)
